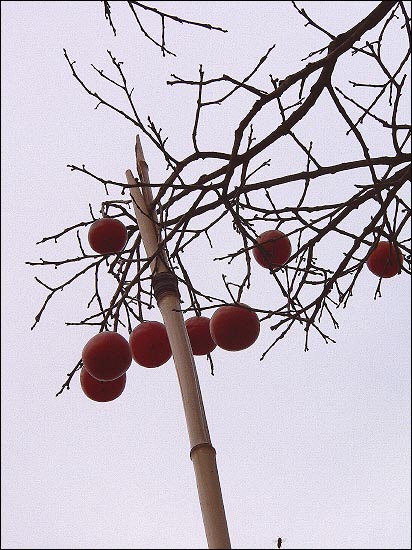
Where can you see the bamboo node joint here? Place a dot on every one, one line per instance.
(164, 282)
(201, 445)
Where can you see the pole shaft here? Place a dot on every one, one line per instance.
(210, 496)
(202, 453)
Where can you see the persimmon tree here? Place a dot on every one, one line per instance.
(232, 191)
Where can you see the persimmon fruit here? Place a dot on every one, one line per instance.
(99, 390)
(198, 330)
(106, 356)
(149, 344)
(273, 249)
(234, 327)
(107, 236)
(385, 260)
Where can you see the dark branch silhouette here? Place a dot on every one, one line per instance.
(229, 188)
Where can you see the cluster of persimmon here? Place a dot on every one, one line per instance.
(108, 355)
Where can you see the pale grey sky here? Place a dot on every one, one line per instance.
(311, 446)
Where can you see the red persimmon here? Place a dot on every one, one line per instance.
(150, 344)
(273, 250)
(99, 390)
(385, 260)
(234, 327)
(198, 330)
(107, 356)
(107, 236)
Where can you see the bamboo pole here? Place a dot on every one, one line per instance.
(202, 453)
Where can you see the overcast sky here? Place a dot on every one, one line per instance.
(313, 447)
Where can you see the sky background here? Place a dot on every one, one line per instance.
(313, 447)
